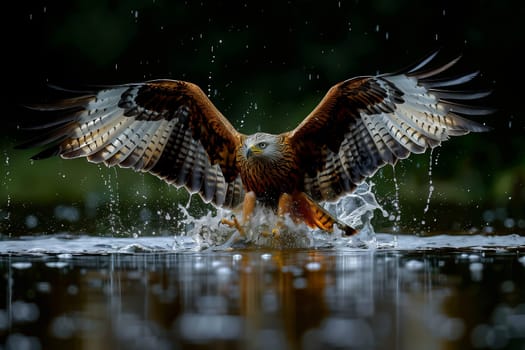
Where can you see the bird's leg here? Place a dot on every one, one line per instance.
(248, 206)
(285, 206)
(233, 223)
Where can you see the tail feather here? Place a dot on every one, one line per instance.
(316, 216)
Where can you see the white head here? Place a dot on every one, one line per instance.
(262, 146)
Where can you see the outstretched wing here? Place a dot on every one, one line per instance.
(366, 122)
(168, 128)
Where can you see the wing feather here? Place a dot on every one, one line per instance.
(366, 122)
(166, 127)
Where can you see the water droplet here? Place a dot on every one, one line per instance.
(414, 265)
(25, 312)
(21, 265)
(237, 257)
(57, 264)
(266, 256)
(476, 271)
(31, 221)
(313, 266)
(509, 223)
(223, 272)
(300, 283)
(395, 203)
(474, 257)
(430, 185)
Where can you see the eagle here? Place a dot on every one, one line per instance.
(171, 129)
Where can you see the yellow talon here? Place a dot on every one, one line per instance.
(234, 223)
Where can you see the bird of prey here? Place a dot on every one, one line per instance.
(171, 129)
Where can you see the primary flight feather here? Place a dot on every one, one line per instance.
(171, 129)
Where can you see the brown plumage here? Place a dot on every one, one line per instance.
(171, 129)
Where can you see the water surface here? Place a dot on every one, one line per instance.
(454, 292)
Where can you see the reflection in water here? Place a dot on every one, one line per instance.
(249, 299)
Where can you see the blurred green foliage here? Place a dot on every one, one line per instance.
(266, 65)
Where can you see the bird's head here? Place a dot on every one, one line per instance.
(262, 146)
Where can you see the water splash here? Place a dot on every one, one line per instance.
(113, 199)
(212, 64)
(5, 212)
(208, 231)
(252, 107)
(357, 210)
(430, 184)
(396, 218)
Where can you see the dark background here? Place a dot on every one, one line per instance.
(265, 65)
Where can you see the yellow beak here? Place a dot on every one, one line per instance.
(253, 150)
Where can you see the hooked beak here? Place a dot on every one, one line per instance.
(253, 151)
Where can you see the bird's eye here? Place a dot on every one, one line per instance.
(262, 145)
